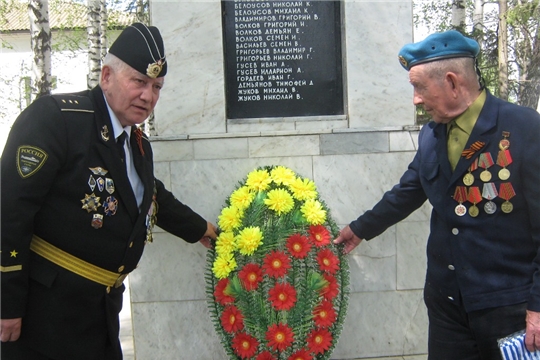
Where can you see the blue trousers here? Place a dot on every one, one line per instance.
(455, 334)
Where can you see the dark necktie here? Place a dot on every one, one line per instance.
(120, 146)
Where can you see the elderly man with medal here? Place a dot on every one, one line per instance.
(478, 164)
(79, 200)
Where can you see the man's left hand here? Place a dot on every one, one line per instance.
(532, 335)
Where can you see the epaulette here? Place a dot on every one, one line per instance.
(70, 102)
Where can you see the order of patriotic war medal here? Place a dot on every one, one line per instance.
(110, 206)
(97, 221)
(90, 202)
(460, 195)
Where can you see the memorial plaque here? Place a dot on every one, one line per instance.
(282, 58)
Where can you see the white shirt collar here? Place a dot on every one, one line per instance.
(117, 127)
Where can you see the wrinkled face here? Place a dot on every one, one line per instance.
(131, 95)
(435, 95)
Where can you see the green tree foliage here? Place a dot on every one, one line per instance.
(523, 21)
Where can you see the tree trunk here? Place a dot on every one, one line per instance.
(142, 14)
(104, 19)
(503, 50)
(530, 81)
(478, 22)
(459, 15)
(94, 42)
(40, 42)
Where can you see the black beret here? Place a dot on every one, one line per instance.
(141, 47)
(438, 46)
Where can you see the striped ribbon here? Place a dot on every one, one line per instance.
(468, 153)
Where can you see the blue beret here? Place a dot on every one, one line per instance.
(141, 47)
(438, 46)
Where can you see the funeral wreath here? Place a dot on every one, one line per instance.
(276, 285)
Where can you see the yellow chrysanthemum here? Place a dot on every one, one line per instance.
(242, 197)
(313, 212)
(230, 218)
(225, 243)
(303, 189)
(279, 200)
(249, 239)
(224, 265)
(258, 180)
(282, 175)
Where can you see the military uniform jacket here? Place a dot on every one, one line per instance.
(62, 180)
(489, 260)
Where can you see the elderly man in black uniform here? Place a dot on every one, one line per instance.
(79, 200)
(478, 164)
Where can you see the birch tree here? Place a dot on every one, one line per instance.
(503, 50)
(94, 42)
(458, 15)
(103, 22)
(524, 19)
(40, 42)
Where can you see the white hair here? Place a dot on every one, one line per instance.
(115, 64)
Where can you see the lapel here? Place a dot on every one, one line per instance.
(106, 147)
(487, 121)
(442, 150)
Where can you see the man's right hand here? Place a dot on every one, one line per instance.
(10, 329)
(348, 238)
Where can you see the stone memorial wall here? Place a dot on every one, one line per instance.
(207, 140)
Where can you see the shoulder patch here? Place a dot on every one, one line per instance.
(29, 160)
(70, 102)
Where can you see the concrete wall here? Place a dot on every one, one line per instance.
(200, 155)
